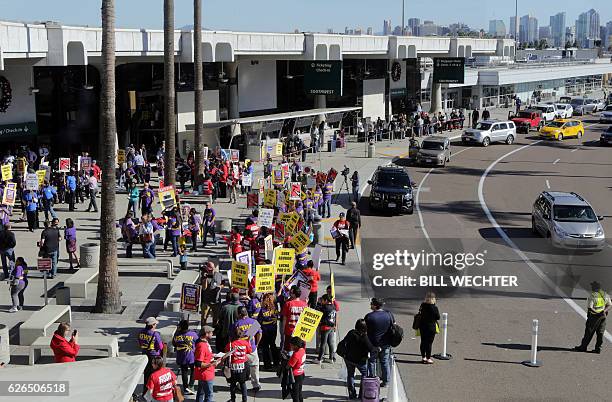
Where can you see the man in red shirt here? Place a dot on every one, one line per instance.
(342, 239)
(205, 365)
(290, 315)
(162, 382)
(313, 280)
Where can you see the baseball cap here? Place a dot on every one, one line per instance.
(151, 321)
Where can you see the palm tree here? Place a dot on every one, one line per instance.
(199, 86)
(169, 96)
(108, 298)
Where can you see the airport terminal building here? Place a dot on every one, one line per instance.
(254, 82)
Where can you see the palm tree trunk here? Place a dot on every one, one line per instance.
(169, 95)
(198, 87)
(108, 298)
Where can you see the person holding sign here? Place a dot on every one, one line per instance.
(327, 327)
(252, 333)
(268, 318)
(31, 206)
(290, 314)
(341, 228)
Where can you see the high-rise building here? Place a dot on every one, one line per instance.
(528, 29)
(497, 28)
(358, 31)
(570, 35)
(587, 28)
(557, 29)
(331, 30)
(413, 24)
(544, 33)
(397, 31)
(387, 28)
(370, 31)
(608, 34)
(428, 28)
(512, 32)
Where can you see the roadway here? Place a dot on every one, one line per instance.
(486, 195)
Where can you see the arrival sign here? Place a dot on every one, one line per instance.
(323, 77)
(449, 70)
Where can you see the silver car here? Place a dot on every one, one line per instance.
(568, 220)
(489, 131)
(434, 150)
(582, 106)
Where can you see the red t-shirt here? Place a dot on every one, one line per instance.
(291, 312)
(161, 383)
(314, 278)
(297, 360)
(243, 348)
(204, 354)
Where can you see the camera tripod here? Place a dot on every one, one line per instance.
(342, 186)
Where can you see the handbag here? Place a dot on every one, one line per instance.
(178, 394)
(416, 321)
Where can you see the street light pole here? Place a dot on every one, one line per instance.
(403, 15)
(516, 28)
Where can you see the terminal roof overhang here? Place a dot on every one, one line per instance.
(274, 117)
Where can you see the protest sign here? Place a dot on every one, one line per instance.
(304, 290)
(10, 194)
(316, 256)
(41, 175)
(167, 198)
(294, 280)
(240, 275)
(270, 198)
(280, 199)
(311, 182)
(264, 278)
(331, 175)
(307, 324)
(295, 191)
(278, 177)
(279, 231)
(247, 180)
(31, 182)
(269, 247)
(22, 165)
(321, 178)
(300, 241)
(285, 168)
(245, 258)
(7, 172)
(235, 155)
(190, 297)
(226, 154)
(279, 149)
(205, 150)
(284, 259)
(291, 224)
(266, 217)
(86, 163)
(64, 165)
(252, 199)
(121, 156)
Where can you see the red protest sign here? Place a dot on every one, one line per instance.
(64, 165)
(331, 175)
(296, 191)
(252, 199)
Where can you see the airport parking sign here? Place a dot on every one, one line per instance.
(449, 70)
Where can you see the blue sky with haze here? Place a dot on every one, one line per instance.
(305, 15)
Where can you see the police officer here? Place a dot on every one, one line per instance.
(598, 306)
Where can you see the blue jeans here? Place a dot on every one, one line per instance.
(8, 260)
(356, 194)
(384, 359)
(205, 391)
(48, 208)
(350, 375)
(53, 256)
(148, 250)
(326, 205)
(175, 249)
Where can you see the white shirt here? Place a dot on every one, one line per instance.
(93, 183)
(139, 160)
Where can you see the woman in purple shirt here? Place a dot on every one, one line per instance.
(184, 341)
(19, 281)
(71, 242)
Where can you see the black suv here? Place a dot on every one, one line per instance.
(391, 190)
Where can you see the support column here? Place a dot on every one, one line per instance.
(320, 102)
(232, 72)
(436, 98)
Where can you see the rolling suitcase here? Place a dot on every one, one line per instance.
(370, 387)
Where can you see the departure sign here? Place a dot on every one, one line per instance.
(449, 70)
(323, 77)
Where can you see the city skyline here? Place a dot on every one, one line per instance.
(277, 16)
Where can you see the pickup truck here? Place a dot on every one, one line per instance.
(526, 120)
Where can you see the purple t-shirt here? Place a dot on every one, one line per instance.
(19, 271)
(70, 233)
(244, 325)
(184, 344)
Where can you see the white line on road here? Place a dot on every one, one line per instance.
(574, 150)
(556, 161)
(513, 245)
(547, 184)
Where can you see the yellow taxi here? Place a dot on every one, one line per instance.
(562, 128)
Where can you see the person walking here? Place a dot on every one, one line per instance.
(205, 366)
(598, 305)
(64, 344)
(145, 199)
(31, 207)
(49, 193)
(71, 242)
(327, 327)
(129, 232)
(268, 318)
(237, 364)
(378, 323)
(290, 314)
(133, 198)
(227, 316)
(184, 340)
(209, 225)
(428, 326)
(355, 186)
(355, 349)
(71, 187)
(147, 238)
(296, 363)
(92, 187)
(151, 345)
(7, 249)
(353, 216)
(328, 190)
(210, 280)
(162, 383)
(314, 276)
(475, 116)
(18, 282)
(244, 325)
(195, 225)
(49, 244)
(341, 237)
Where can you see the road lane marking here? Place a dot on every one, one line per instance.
(547, 184)
(574, 150)
(556, 161)
(513, 245)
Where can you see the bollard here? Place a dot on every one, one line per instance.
(534, 362)
(444, 355)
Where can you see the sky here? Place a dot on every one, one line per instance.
(304, 15)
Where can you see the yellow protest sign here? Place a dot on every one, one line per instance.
(167, 197)
(300, 241)
(333, 286)
(269, 198)
(291, 224)
(7, 172)
(264, 279)
(240, 275)
(308, 323)
(120, 156)
(279, 149)
(284, 259)
(41, 174)
(284, 217)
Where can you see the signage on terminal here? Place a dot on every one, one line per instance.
(449, 70)
(323, 77)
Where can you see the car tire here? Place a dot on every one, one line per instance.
(540, 125)
(534, 229)
(410, 211)
(509, 139)
(486, 141)
(560, 137)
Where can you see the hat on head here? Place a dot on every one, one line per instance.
(151, 321)
(596, 285)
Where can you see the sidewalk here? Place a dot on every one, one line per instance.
(143, 294)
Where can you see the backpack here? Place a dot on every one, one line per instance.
(329, 315)
(342, 348)
(395, 333)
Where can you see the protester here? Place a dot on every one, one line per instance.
(327, 327)
(31, 207)
(133, 198)
(92, 187)
(378, 323)
(7, 249)
(290, 314)
(147, 238)
(209, 225)
(313, 280)
(210, 280)
(227, 316)
(151, 345)
(162, 382)
(204, 366)
(63, 349)
(49, 193)
(195, 225)
(341, 227)
(246, 325)
(237, 364)
(428, 325)
(296, 362)
(18, 279)
(355, 349)
(184, 340)
(71, 242)
(268, 318)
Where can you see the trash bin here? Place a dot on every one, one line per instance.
(331, 146)
(62, 296)
(90, 255)
(5, 352)
(175, 306)
(223, 225)
(371, 150)
(317, 227)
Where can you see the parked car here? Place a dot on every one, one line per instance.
(434, 150)
(562, 129)
(581, 107)
(565, 99)
(392, 190)
(549, 112)
(527, 119)
(489, 131)
(606, 115)
(564, 110)
(606, 137)
(568, 220)
(600, 104)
